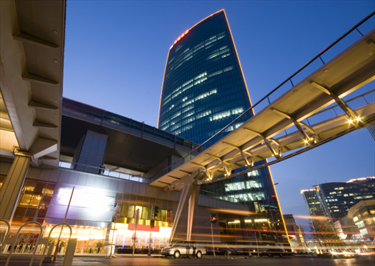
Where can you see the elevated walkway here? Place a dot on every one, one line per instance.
(262, 136)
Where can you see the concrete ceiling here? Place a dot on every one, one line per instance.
(31, 68)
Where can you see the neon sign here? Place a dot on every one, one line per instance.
(179, 38)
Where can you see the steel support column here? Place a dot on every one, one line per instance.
(184, 203)
(193, 201)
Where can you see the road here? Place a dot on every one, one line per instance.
(231, 261)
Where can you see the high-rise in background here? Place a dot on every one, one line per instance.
(203, 90)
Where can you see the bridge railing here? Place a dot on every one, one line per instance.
(355, 33)
(102, 171)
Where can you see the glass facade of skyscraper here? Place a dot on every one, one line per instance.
(339, 197)
(312, 201)
(334, 199)
(203, 91)
(203, 88)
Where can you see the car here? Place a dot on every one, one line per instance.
(184, 249)
(270, 252)
(243, 251)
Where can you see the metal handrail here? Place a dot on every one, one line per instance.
(103, 170)
(16, 237)
(271, 92)
(5, 235)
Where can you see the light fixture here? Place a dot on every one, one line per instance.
(350, 121)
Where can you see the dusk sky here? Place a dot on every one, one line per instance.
(115, 55)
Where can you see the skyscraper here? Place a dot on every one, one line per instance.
(203, 90)
(334, 199)
(203, 87)
(312, 201)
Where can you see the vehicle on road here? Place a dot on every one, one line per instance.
(184, 249)
(270, 252)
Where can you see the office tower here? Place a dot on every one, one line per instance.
(203, 87)
(336, 198)
(312, 201)
(203, 90)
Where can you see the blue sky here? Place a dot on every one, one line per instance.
(115, 54)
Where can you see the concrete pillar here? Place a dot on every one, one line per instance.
(12, 186)
(193, 201)
(182, 204)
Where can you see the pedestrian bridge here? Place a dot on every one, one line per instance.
(264, 135)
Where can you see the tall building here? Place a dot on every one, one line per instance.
(336, 198)
(203, 90)
(203, 87)
(293, 231)
(312, 201)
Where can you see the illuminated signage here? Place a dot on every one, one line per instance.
(179, 38)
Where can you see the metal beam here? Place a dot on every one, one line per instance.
(348, 111)
(243, 154)
(266, 141)
(225, 167)
(296, 123)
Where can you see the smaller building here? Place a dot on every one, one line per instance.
(312, 201)
(293, 231)
(362, 215)
(334, 199)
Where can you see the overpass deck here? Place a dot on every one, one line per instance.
(256, 140)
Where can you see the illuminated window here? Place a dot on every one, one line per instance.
(191, 119)
(203, 114)
(206, 94)
(188, 87)
(228, 69)
(215, 73)
(188, 114)
(220, 115)
(187, 128)
(175, 115)
(188, 108)
(237, 111)
(187, 103)
(218, 52)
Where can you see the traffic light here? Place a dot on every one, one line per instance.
(152, 224)
(213, 218)
(156, 212)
